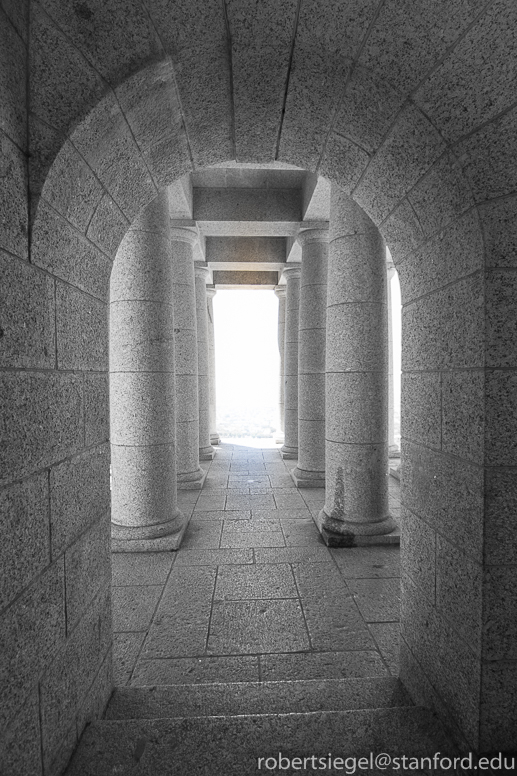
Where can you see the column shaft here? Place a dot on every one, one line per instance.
(214, 436)
(292, 306)
(280, 293)
(393, 449)
(142, 388)
(190, 475)
(206, 451)
(310, 472)
(356, 497)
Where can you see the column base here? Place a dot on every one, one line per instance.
(289, 453)
(215, 439)
(192, 480)
(206, 453)
(163, 537)
(343, 533)
(305, 479)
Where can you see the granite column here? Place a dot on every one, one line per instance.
(214, 436)
(142, 387)
(310, 472)
(206, 451)
(190, 475)
(292, 305)
(280, 293)
(356, 498)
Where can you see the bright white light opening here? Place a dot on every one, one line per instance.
(247, 363)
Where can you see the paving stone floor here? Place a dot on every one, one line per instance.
(254, 594)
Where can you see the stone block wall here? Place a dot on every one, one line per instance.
(55, 613)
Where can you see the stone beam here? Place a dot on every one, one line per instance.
(223, 279)
(225, 204)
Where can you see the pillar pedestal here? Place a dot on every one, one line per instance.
(145, 514)
(356, 498)
(206, 451)
(310, 472)
(190, 475)
(292, 275)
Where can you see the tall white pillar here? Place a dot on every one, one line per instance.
(214, 436)
(206, 451)
(142, 387)
(190, 475)
(280, 292)
(356, 496)
(292, 277)
(393, 448)
(310, 472)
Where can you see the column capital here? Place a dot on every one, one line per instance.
(307, 236)
(280, 291)
(202, 270)
(293, 270)
(211, 291)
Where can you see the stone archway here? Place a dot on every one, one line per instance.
(443, 201)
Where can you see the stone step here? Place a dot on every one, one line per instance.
(237, 698)
(231, 746)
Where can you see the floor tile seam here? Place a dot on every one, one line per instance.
(209, 624)
(151, 621)
(301, 606)
(363, 619)
(383, 659)
(254, 598)
(223, 655)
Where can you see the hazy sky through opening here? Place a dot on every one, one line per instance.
(248, 361)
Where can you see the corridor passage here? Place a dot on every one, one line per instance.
(254, 594)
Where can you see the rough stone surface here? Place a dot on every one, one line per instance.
(292, 316)
(25, 510)
(356, 436)
(311, 359)
(142, 383)
(27, 298)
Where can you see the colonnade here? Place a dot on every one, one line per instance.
(161, 379)
(336, 375)
(335, 359)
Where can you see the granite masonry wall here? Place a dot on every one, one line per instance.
(429, 154)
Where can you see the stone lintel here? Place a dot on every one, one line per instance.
(239, 204)
(245, 278)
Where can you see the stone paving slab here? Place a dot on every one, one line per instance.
(243, 582)
(146, 568)
(368, 562)
(292, 555)
(254, 584)
(214, 557)
(133, 606)
(333, 620)
(378, 599)
(244, 627)
(180, 625)
(232, 539)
